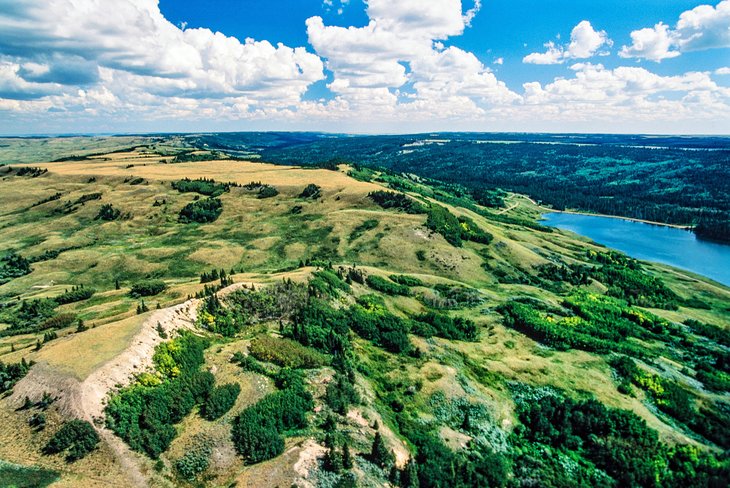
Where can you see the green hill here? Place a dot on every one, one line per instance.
(219, 322)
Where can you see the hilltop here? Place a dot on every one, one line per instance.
(223, 322)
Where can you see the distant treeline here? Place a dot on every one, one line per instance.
(660, 180)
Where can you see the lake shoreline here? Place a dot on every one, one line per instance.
(630, 219)
(663, 244)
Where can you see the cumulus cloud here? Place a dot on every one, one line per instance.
(399, 59)
(703, 27)
(65, 43)
(585, 42)
(628, 92)
(65, 61)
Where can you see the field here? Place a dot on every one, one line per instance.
(274, 255)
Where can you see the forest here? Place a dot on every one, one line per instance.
(683, 181)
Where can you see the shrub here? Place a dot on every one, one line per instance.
(201, 211)
(203, 186)
(285, 352)
(386, 286)
(108, 212)
(358, 231)
(76, 294)
(220, 400)
(195, 461)
(147, 288)
(13, 265)
(267, 191)
(12, 373)
(77, 437)
(442, 221)
(406, 280)
(453, 328)
(398, 201)
(144, 416)
(311, 191)
(340, 394)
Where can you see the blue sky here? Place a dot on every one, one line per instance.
(653, 66)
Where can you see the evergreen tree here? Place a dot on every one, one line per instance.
(409, 476)
(380, 454)
(346, 456)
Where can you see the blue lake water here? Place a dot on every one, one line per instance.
(662, 244)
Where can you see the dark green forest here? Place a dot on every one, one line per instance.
(677, 180)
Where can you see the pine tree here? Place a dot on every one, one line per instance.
(346, 456)
(466, 424)
(409, 476)
(379, 454)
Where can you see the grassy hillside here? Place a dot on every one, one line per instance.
(223, 294)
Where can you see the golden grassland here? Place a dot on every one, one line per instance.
(264, 242)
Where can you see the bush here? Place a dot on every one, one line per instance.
(358, 231)
(147, 288)
(398, 201)
(77, 437)
(267, 191)
(386, 286)
(311, 191)
(195, 461)
(108, 212)
(201, 211)
(453, 328)
(13, 265)
(203, 186)
(406, 280)
(11, 374)
(340, 394)
(76, 294)
(285, 352)
(442, 221)
(220, 400)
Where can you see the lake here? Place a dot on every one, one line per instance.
(668, 245)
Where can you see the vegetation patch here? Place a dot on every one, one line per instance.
(311, 191)
(204, 186)
(144, 415)
(147, 288)
(258, 432)
(386, 286)
(285, 352)
(201, 211)
(360, 229)
(76, 437)
(397, 201)
(13, 265)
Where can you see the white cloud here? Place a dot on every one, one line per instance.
(723, 71)
(69, 64)
(67, 42)
(399, 62)
(585, 42)
(626, 93)
(704, 27)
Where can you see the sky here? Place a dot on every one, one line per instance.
(364, 66)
